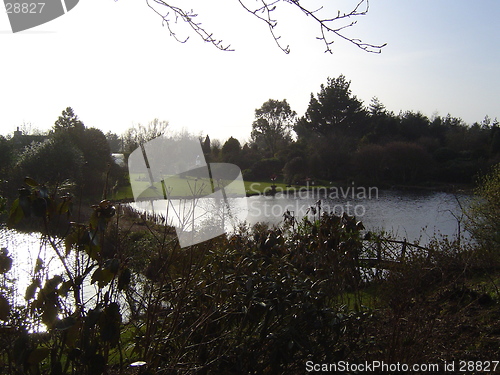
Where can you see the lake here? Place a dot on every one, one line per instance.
(416, 216)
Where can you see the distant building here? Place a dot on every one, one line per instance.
(21, 140)
(119, 159)
(18, 133)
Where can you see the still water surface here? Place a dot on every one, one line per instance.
(416, 216)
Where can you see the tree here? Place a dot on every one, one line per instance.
(215, 150)
(295, 169)
(96, 151)
(5, 157)
(334, 110)
(5, 150)
(376, 108)
(495, 140)
(91, 143)
(273, 123)
(51, 161)
(69, 121)
(413, 125)
(114, 141)
(141, 134)
(331, 26)
(267, 169)
(231, 151)
(69, 128)
(369, 162)
(406, 162)
(206, 145)
(484, 213)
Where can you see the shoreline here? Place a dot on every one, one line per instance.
(467, 189)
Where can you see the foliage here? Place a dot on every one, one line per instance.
(334, 110)
(260, 300)
(484, 213)
(3, 206)
(70, 123)
(114, 141)
(254, 302)
(92, 144)
(273, 124)
(5, 157)
(295, 170)
(266, 169)
(81, 333)
(49, 161)
(230, 152)
(406, 162)
(141, 134)
(97, 155)
(343, 140)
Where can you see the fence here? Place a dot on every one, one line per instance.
(383, 253)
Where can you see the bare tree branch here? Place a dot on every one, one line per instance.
(331, 28)
(326, 25)
(189, 18)
(266, 9)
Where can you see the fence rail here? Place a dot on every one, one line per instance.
(385, 253)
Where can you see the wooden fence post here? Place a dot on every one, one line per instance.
(379, 258)
(403, 251)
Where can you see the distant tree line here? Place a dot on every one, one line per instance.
(341, 139)
(338, 139)
(70, 154)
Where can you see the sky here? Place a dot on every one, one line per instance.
(116, 65)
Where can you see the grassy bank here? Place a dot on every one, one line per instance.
(183, 188)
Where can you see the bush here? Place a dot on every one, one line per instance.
(295, 169)
(51, 161)
(265, 168)
(484, 213)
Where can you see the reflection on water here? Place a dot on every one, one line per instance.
(25, 249)
(416, 216)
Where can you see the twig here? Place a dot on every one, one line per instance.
(329, 28)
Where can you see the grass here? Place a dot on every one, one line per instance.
(178, 187)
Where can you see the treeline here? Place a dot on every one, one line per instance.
(69, 157)
(340, 139)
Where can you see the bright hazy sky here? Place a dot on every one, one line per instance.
(114, 63)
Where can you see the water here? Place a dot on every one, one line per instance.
(416, 216)
(25, 249)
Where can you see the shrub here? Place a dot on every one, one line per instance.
(49, 161)
(484, 213)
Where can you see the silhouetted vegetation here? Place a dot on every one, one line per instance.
(340, 139)
(262, 300)
(70, 153)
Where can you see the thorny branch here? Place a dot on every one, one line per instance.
(330, 27)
